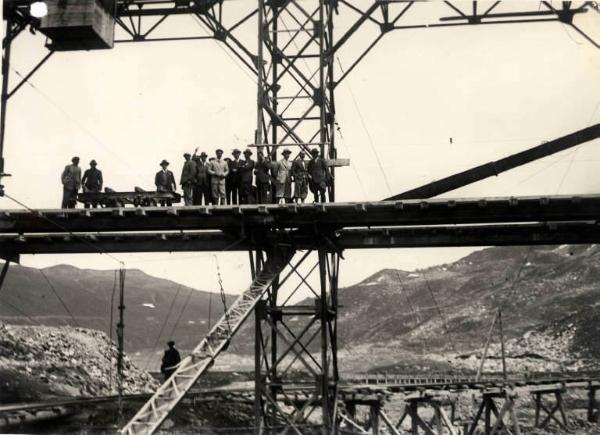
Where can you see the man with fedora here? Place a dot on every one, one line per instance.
(283, 179)
(71, 181)
(170, 360)
(233, 179)
(246, 169)
(202, 185)
(188, 179)
(263, 178)
(165, 181)
(318, 176)
(300, 178)
(218, 170)
(92, 182)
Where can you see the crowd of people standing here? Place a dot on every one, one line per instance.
(218, 180)
(222, 180)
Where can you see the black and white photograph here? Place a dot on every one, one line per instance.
(231, 217)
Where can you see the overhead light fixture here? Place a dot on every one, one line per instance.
(38, 9)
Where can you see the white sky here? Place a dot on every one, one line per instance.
(494, 89)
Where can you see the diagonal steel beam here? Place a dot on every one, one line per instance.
(487, 170)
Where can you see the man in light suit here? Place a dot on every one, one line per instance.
(283, 179)
(218, 171)
(71, 181)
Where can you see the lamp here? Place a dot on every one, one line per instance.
(38, 9)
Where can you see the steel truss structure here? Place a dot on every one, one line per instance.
(293, 63)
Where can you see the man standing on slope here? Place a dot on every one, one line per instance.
(170, 359)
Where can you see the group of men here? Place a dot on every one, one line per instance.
(72, 181)
(220, 181)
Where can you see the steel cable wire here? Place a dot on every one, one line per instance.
(162, 328)
(62, 302)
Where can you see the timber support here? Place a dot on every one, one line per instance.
(553, 411)
(493, 418)
(592, 414)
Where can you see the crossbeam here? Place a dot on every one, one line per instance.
(327, 216)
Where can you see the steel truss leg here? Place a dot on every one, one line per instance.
(294, 343)
(296, 77)
(6, 46)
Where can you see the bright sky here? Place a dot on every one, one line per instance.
(494, 89)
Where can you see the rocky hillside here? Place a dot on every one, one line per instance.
(41, 362)
(552, 292)
(87, 295)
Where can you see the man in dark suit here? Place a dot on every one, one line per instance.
(300, 178)
(188, 179)
(263, 179)
(246, 169)
(318, 176)
(71, 181)
(233, 179)
(92, 182)
(202, 186)
(165, 181)
(170, 359)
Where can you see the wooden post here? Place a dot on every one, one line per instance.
(502, 345)
(120, 342)
(591, 403)
(374, 418)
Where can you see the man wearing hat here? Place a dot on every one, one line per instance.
(232, 184)
(218, 170)
(71, 181)
(300, 178)
(318, 176)
(283, 179)
(170, 360)
(165, 181)
(246, 169)
(202, 184)
(188, 179)
(263, 178)
(92, 182)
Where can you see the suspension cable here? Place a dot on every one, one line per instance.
(162, 328)
(183, 307)
(222, 292)
(62, 302)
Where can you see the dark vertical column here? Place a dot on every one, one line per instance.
(324, 319)
(330, 119)
(6, 46)
(120, 341)
(4, 272)
(275, 59)
(259, 313)
(591, 403)
(488, 415)
(502, 345)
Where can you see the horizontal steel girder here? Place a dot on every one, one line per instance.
(359, 238)
(303, 217)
